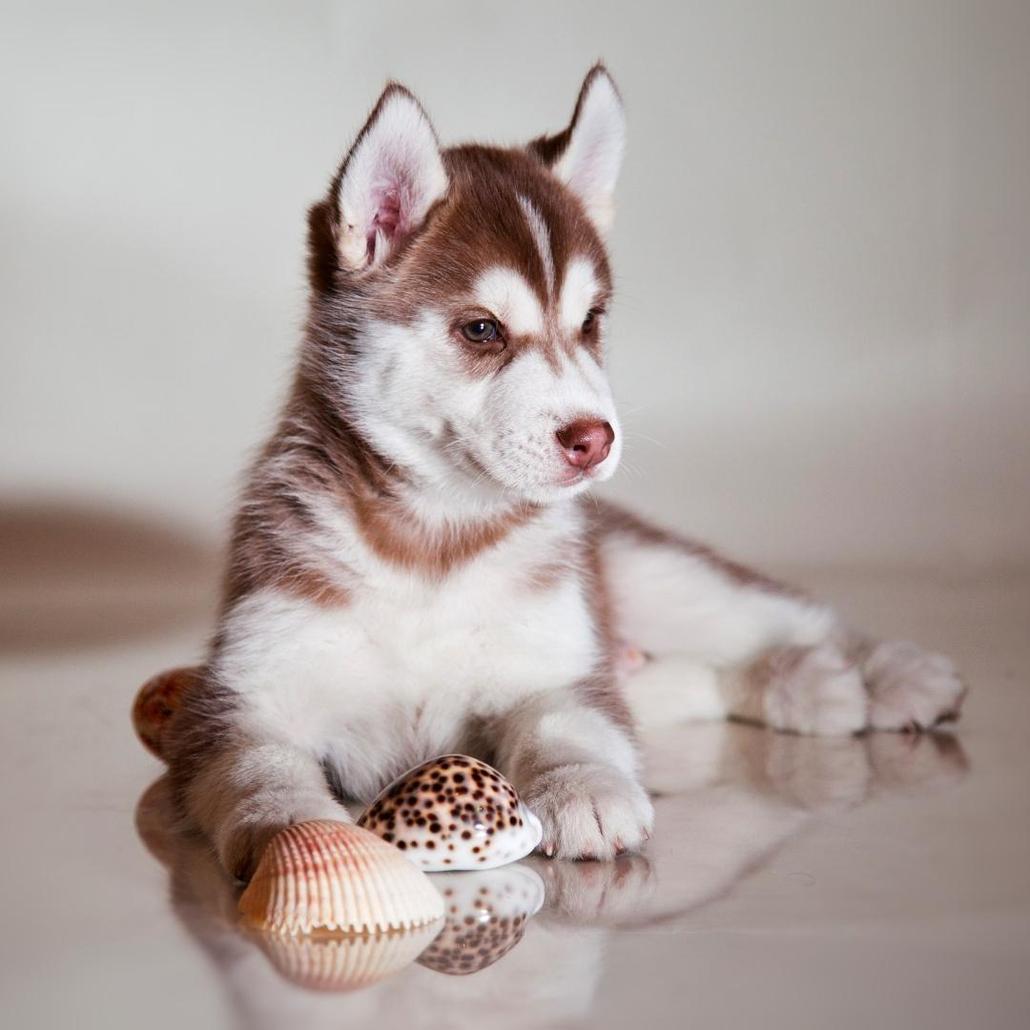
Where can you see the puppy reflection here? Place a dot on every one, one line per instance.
(525, 944)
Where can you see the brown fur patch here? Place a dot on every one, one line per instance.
(609, 518)
(199, 730)
(548, 574)
(602, 690)
(317, 456)
(398, 537)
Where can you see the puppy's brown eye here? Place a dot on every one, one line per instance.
(590, 322)
(482, 330)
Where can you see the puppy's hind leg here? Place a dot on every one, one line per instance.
(732, 642)
(726, 641)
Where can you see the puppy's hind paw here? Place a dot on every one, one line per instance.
(590, 812)
(911, 689)
(813, 691)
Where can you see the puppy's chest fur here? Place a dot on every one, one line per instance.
(410, 665)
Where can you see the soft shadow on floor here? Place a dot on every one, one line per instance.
(731, 797)
(74, 575)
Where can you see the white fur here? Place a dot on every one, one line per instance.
(394, 676)
(911, 688)
(674, 690)
(669, 600)
(578, 293)
(528, 405)
(819, 692)
(590, 164)
(413, 398)
(506, 294)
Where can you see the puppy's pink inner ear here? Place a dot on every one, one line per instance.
(389, 213)
(387, 222)
(392, 177)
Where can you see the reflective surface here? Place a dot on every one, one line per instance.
(792, 882)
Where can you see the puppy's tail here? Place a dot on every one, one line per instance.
(157, 701)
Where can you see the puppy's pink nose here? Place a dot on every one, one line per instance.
(586, 442)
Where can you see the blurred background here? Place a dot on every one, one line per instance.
(821, 342)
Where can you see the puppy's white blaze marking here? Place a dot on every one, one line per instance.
(506, 293)
(578, 292)
(541, 237)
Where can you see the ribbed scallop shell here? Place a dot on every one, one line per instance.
(454, 812)
(324, 876)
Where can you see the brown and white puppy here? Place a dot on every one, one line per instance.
(414, 570)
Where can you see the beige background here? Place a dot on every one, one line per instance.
(822, 342)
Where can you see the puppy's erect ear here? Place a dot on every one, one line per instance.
(587, 155)
(390, 179)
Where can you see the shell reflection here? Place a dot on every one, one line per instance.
(486, 914)
(344, 962)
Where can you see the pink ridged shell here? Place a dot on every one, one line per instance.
(334, 877)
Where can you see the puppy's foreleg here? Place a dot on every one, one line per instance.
(244, 790)
(576, 769)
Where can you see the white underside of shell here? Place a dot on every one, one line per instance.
(480, 852)
(509, 846)
(492, 894)
(336, 878)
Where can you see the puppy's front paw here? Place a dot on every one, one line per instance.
(240, 843)
(911, 689)
(590, 812)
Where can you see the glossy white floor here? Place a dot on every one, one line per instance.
(882, 881)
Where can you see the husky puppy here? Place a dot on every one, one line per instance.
(414, 568)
